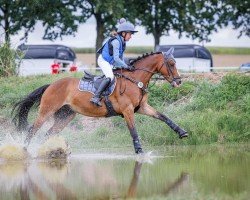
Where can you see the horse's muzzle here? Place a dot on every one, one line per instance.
(176, 82)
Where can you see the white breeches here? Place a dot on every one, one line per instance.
(106, 67)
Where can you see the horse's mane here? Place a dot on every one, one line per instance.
(133, 61)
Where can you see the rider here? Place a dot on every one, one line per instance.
(111, 56)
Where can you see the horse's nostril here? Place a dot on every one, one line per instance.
(178, 81)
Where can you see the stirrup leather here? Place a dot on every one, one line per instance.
(96, 100)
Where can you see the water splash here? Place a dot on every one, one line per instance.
(145, 157)
(54, 147)
(12, 147)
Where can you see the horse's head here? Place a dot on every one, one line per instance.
(168, 68)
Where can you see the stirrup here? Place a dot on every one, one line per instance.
(96, 101)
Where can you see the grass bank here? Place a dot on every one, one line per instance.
(212, 113)
(147, 49)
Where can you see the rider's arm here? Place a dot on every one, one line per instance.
(118, 61)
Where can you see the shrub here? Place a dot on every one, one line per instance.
(9, 60)
(231, 88)
(165, 93)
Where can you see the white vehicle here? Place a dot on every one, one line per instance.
(38, 59)
(190, 58)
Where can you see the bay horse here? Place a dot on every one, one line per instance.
(63, 100)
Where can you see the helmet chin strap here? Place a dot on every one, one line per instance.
(124, 35)
(126, 32)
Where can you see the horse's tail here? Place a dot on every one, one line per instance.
(22, 108)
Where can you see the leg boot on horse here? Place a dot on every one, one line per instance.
(137, 146)
(96, 99)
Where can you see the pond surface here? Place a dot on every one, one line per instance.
(190, 173)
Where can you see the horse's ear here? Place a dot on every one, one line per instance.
(170, 51)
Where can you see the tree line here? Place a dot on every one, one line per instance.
(196, 19)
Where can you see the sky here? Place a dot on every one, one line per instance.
(86, 37)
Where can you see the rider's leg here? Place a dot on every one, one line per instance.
(97, 97)
(105, 67)
(107, 70)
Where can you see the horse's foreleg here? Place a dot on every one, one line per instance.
(146, 109)
(134, 182)
(130, 119)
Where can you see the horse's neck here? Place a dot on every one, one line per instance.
(146, 69)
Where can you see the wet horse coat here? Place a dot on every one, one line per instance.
(63, 99)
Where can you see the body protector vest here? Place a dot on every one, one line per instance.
(107, 49)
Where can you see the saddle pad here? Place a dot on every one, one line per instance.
(88, 86)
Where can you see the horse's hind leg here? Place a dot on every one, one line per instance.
(36, 126)
(44, 113)
(62, 118)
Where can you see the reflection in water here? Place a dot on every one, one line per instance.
(178, 184)
(46, 180)
(133, 185)
(87, 178)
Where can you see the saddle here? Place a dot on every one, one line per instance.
(90, 83)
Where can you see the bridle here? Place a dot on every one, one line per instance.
(170, 72)
(171, 79)
(168, 67)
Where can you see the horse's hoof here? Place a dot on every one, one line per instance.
(183, 135)
(139, 151)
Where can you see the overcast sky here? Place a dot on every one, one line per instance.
(86, 36)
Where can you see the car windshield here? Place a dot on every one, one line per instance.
(245, 65)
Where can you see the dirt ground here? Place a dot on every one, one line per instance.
(219, 60)
(230, 60)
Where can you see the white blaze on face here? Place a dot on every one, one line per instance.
(178, 74)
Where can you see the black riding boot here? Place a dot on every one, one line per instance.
(97, 97)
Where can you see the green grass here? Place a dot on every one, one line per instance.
(148, 49)
(136, 50)
(229, 50)
(211, 113)
(14, 88)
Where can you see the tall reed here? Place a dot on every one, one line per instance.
(10, 60)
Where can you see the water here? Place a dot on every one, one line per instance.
(189, 173)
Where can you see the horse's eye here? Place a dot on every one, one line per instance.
(171, 62)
